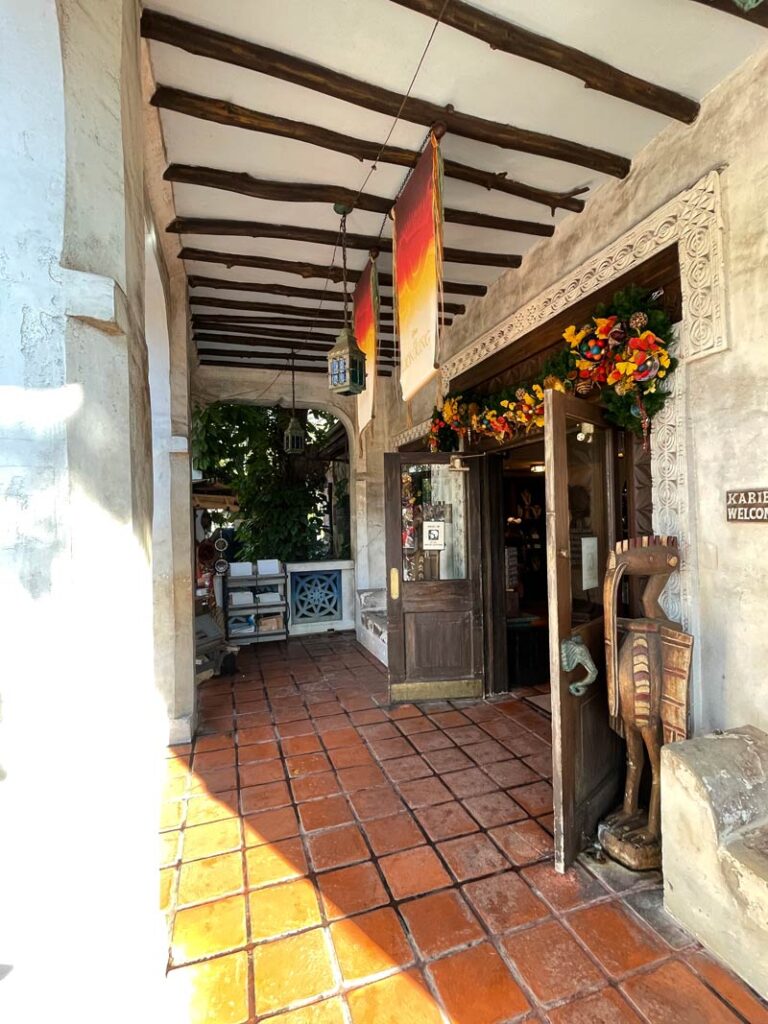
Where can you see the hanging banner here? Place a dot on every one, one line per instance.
(418, 270)
(366, 317)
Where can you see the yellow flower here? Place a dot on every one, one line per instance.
(537, 391)
(553, 383)
(627, 369)
(574, 337)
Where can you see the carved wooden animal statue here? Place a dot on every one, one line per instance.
(647, 690)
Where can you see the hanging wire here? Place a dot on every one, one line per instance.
(406, 97)
(343, 231)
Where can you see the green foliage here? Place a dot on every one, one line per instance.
(281, 497)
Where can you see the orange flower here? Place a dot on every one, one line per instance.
(604, 325)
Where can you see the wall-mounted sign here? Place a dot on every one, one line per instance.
(589, 573)
(433, 536)
(747, 506)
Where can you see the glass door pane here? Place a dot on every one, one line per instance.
(585, 446)
(434, 542)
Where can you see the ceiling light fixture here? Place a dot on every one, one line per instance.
(293, 438)
(346, 361)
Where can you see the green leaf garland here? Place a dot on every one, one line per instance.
(622, 356)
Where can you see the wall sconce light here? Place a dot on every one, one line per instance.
(538, 467)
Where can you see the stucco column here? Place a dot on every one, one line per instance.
(172, 544)
(83, 725)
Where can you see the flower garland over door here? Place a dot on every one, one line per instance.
(622, 357)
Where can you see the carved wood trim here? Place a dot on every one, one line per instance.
(693, 220)
(414, 433)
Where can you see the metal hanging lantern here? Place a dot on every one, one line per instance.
(293, 437)
(346, 360)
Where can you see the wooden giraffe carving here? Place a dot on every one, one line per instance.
(647, 674)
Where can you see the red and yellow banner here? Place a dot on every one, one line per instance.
(366, 308)
(418, 270)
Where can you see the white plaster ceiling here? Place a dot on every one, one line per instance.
(679, 44)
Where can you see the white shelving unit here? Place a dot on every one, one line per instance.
(246, 619)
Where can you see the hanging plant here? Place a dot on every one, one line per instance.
(623, 355)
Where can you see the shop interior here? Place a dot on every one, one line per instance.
(523, 512)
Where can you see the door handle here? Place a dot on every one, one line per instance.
(573, 652)
(394, 584)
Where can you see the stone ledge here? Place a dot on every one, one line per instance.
(715, 828)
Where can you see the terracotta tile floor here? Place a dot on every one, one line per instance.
(327, 859)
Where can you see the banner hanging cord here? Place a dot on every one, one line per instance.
(343, 230)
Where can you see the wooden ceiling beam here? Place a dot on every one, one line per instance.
(487, 220)
(263, 307)
(304, 269)
(266, 321)
(262, 354)
(757, 16)
(252, 364)
(267, 288)
(236, 116)
(229, 49)
(275, 326)
(301, 192)
(595, 74)
(321, 236)
(266, 332)
(385, 348)
(275, 191)
(329, 317)
(385, 323)
(221, 283)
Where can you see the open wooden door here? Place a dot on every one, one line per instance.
(581, 528)
(434, 599)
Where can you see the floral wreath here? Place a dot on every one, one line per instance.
(622, 356)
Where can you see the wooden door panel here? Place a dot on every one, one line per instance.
(436, 646)
(435, 625)
(431, 597)
(580, 532)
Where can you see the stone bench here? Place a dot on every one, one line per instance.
(715, 830)
(372, 632)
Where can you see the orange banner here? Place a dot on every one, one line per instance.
(418, 268)
(366, 308)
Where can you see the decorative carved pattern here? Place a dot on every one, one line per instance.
(414, 433)
(693, 220)
(316, 596)
(669, 473)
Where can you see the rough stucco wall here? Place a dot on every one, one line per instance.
(82, 722)
(728, 409)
